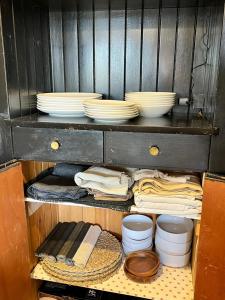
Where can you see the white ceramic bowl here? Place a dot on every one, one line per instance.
(175, 261)
(126, 239)
(136, 247)
(172, 248)
(150, 94)
(174, 229)
(133, 243)
(128, 250)
(154, 112)
(137, 227)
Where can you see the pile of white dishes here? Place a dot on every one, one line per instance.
(113, 111)
(152, 104)
(137, 231)
(173, 240)
(64, 104)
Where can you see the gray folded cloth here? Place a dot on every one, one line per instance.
(54, 187)
(68, 170)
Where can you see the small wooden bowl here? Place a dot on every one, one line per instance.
(143, 263)
(140, 279)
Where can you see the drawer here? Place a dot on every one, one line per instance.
(58, 144)
(153, 150)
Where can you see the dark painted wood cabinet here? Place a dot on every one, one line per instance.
(58, 145)
(150, 150)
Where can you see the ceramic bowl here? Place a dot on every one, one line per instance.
(174, 229)
(172, 248)
(128, 240)
(175, 261)
(128, 250)
(138, 246)
(137, 227)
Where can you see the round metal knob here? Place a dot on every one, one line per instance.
(154, 150)
(55, 145)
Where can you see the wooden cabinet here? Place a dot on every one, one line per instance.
(58, 145)
(170, 150)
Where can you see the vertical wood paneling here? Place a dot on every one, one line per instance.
(150, 48)
(101, 15)
(133, 45)
(70, 43)
(117, 47)
(46, 49)
(184, 51)
(86, 43)
(55, 22)
(167, 49)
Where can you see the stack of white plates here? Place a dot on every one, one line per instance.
(64, 104)
(173, 240)
(137, 231)
(113, 111)
(152, 104)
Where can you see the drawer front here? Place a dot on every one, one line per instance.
(58, 144)
(173, 151)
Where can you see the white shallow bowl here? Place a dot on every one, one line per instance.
(139, 246)
(174, 229)
(172, 248)
(68, 95)
(150, 94)
(128, 240)
(175, 261)
(154, 112)
(137, 227)
(128, 250)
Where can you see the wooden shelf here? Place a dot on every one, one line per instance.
(170, 284)
(67, 203)
(176, 124)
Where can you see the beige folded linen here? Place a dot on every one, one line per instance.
(83, 253)
(163, 187)
(104, 180)
(146, 173)
(102, 196)
(169, 206)
(190, 214)
(142, 199)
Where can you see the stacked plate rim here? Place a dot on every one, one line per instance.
(64, 104)
(110, 110)
(137, 233)
(152, 104)
(173, 240)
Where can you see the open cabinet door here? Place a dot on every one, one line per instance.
(210, 276)
(15, 280)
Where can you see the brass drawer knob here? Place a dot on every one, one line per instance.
(154, 150)
(55, 145)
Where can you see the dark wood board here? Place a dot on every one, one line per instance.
(158, 125)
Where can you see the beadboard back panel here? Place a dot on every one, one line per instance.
(111, 47)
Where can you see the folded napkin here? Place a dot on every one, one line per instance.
(109, 197)
(104, 180)
(190, 214)
(142, 200)
(146, 173)
(164, 187)
(83, 253)
(170, 206)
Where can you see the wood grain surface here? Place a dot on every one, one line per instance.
(210, 275)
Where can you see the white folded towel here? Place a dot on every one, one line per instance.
(146, 173)
(83, 253)
(142, 200)
(104, 180)
(169, 206)
(190, 214)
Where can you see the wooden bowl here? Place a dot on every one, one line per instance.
(140, 279)
(143, 263)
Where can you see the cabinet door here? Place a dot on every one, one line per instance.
(5, 141)
(15, 282)
(210, 277)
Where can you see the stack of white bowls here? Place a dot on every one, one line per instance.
(64, 104)
(113, 111)
(152, 104)
(137, 231)
(173, 240)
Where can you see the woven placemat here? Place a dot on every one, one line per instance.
(105, 259)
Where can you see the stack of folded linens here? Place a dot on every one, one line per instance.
(105, 184)
(159, 193)
(80, 253)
